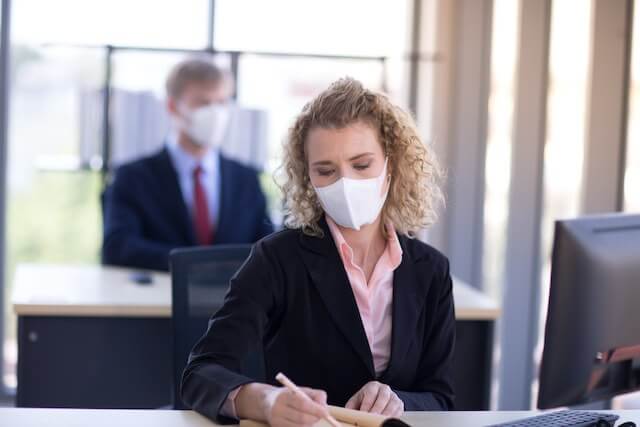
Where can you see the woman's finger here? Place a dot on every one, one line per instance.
(369, 394)
(382, 399)
(394, 408)
(354, 402)
(318, 396)
(303, 404)
(298, 417)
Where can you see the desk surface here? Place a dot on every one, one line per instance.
(22, 417)
(93, 290)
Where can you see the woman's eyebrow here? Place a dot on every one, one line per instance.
(329, 162)
(360, 155)
(322, 163)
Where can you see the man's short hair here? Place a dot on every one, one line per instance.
(194, 70)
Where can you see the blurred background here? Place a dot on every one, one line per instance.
(532, 105)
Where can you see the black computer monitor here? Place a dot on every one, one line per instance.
(592, 336)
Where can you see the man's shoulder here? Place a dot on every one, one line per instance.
(146, 165)
(237, 167)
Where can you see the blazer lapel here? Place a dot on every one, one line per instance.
(409, 293)
(171, 195)
(327, 273)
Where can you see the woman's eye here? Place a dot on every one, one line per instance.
(325, 172)
(361, 167)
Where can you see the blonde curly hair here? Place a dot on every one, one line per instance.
(414, 191)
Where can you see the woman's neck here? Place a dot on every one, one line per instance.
(367, 244)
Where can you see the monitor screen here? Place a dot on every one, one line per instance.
(592, 334)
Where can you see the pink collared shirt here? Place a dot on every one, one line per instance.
(374, 300)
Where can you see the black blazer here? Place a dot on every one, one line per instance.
(293, 298)
(145, 216)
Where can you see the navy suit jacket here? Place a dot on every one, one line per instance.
(292, 300)
(145, 215)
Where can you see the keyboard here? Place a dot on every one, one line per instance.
(565, 419)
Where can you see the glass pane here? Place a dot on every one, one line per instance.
(139, 121)
(148, 71)
(564, 146)
(632, 175)
(281, 87)
(498, 162)
(158, 23)
(354, 27)
(51, 88)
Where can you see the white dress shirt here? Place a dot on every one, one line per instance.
(184, 164)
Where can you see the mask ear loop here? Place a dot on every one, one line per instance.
(385, 229)
(386, 168)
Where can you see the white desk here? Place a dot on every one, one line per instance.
(102, 332)
(88, 290)
(156, 418)
(93, 290)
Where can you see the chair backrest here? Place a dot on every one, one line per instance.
(199, 280)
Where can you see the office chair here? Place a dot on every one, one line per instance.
(199, 281)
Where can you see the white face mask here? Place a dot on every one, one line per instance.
(353, 203)
(207, 125)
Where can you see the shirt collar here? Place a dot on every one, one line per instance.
(393, 249)
(185, 162)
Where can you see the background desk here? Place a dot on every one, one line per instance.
(89, 337)
(107, 418)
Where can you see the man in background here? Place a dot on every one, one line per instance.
(188, 193)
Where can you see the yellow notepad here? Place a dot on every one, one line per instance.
(346, 417)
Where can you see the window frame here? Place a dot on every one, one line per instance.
(5, 10)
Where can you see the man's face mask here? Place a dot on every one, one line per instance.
(206, 125)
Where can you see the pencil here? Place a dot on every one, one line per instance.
(282, 379)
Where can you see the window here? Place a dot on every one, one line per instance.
(59, 63)
(632, 174)
(334, 27)
(139, 122)
(45, 187)
(504, 51)
(570, 42)
(152, 23)
(7, 354)
(283, 85)
(46, 106)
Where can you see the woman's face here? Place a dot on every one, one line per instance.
(352, 152)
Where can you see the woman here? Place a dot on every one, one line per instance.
(343, 301)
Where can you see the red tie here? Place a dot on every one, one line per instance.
(202, 225)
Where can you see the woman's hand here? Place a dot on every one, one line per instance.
(279, 406)
(377, 398)
(287, 409)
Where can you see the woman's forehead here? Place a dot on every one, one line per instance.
(348, 141)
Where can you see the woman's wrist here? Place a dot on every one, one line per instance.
(254, 401)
